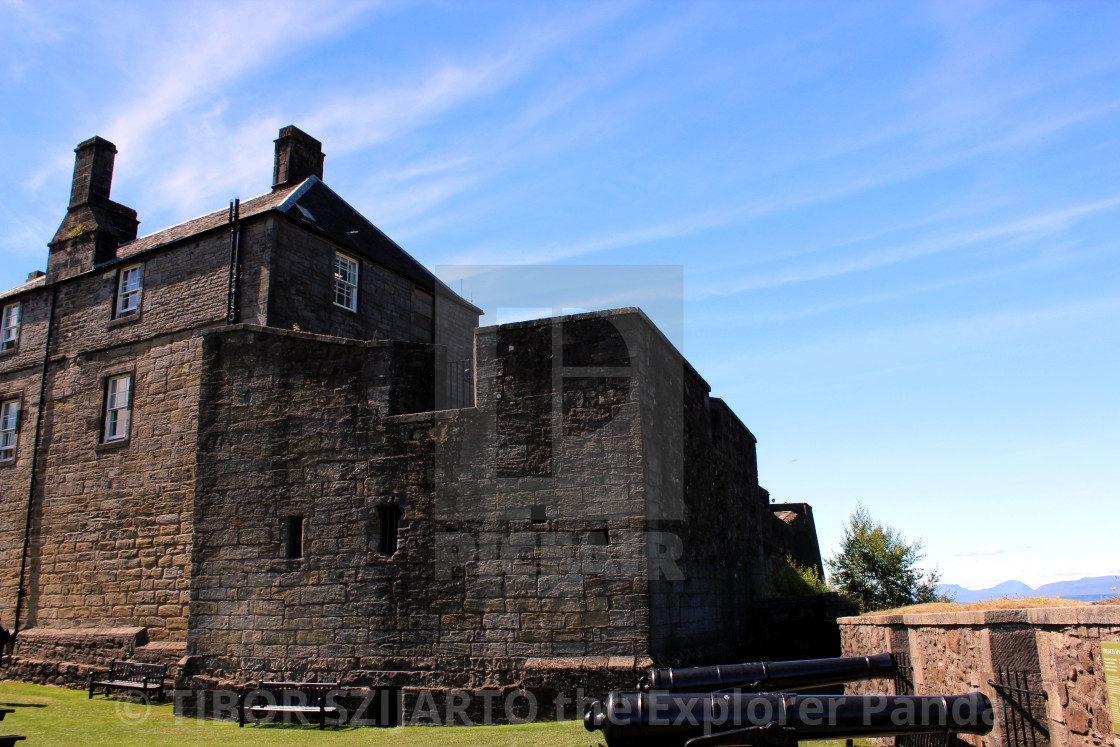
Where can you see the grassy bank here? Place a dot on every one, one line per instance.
(55, 717)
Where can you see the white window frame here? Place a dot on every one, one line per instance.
(9, 326)
(118, 408)
(9, 429)
(130, 290)
(346, 270)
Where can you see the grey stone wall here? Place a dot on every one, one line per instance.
(298, 425)
(1056, 649)
(302, 290)
(455, 321)
(790, 530)
(524, 528)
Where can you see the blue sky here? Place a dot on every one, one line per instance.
(897, 223)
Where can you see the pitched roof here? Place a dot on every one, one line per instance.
(255, 206)
(310, 202)
(324, 209)
(29, 285)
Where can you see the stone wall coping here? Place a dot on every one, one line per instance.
(1099, 614)
(588, 662)
(607, 314)
(82, 632)
(164, 646)
(278, 332)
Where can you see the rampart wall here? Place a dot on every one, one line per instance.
(1025, 652)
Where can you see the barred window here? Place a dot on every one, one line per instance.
(9, 327)
(129, 288)
(9, 429)
(345, 282)
(118, 407)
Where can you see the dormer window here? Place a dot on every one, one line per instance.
(345, 282)
(9, 327)
(130, 285)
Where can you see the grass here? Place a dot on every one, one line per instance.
(1003, 603)
(53, 716)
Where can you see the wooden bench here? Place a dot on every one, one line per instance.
(131, 675)
(300, 698)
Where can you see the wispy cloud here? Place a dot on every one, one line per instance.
(171, 86)
(210, 46)
(1021, 229)
(981, 551)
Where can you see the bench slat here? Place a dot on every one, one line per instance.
(312, 697)
(131, 675)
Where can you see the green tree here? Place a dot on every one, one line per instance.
(877, 567)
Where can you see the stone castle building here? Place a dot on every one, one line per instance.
(268, 442)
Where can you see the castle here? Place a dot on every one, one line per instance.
(267, 442)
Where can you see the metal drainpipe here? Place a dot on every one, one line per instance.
(234, 262)
(35, 459)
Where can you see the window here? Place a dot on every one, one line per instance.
(345, 282)
(118, 407)
(538, 514)
(390, 526)
(9, 327)
(129, 288)
(9, 428)
(293, 541)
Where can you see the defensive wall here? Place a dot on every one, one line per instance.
(1042, 667)
(462, 548)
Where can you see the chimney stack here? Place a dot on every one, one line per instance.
(94, 225)
(93, 171)
(298, 156)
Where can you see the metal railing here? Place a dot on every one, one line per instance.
(904, 685)
(1023, 713)
(460, 383)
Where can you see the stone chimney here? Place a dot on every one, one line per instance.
(94, 225)
(298, 156)
(93, 171)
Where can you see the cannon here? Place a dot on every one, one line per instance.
(770, 676)
(664, 719)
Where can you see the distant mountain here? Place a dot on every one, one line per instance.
(1092, 588)
(1085, 589)
(1006, 589)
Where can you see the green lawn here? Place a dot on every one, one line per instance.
(50, 716)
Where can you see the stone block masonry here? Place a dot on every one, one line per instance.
(1051, 650)
(291, 496)
(113, 522)
(448, 549)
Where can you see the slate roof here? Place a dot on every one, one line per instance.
(347, 227)
(29, 285)
(255, 206)
(322, 209)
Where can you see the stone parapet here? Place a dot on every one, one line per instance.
(1011, 655)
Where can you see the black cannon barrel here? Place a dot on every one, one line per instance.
(664, 719)
(770, 676)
